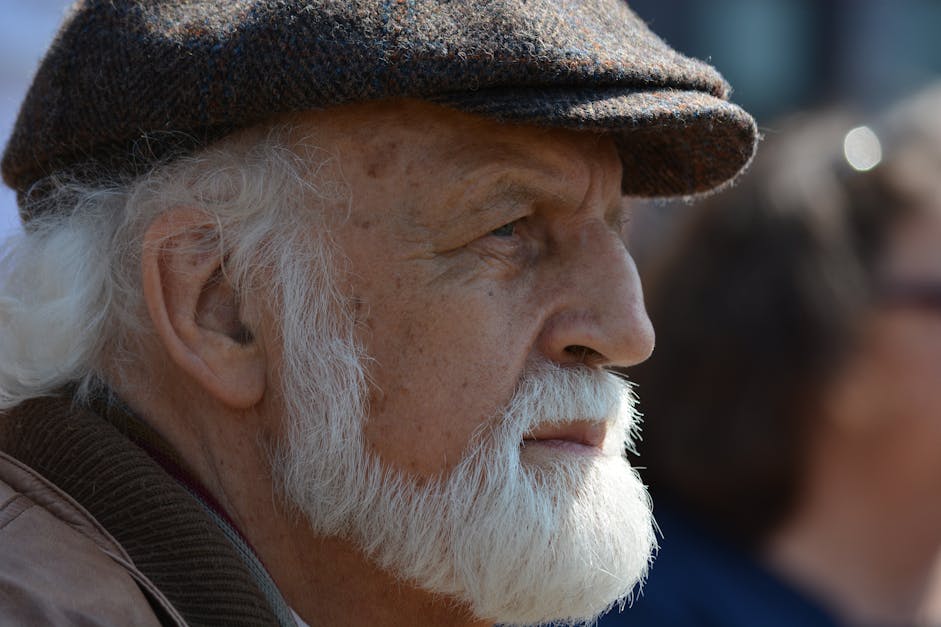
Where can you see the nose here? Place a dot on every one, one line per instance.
(599, 318)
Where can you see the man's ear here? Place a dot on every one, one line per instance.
(195, 310)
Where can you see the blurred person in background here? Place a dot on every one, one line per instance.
(793, 433)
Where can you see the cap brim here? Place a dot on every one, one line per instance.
(672, 142)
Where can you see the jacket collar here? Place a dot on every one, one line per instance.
(100, 458)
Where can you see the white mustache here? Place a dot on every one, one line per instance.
(550, 394)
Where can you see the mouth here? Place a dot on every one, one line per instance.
(577, 436)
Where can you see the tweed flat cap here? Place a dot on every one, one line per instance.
(124, 75)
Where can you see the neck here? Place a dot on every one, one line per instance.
(859, 541)
(327, 581)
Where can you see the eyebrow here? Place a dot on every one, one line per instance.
(501, 176)
(469, 157)
(504, 192)
(517, 192)
(505, 165)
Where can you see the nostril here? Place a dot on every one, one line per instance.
(584, 354)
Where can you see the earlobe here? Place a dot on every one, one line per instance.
(195, 310)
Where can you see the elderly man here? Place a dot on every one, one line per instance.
(313, 314)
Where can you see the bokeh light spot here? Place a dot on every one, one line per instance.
(862, 148)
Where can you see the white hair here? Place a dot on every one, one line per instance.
(71, 308)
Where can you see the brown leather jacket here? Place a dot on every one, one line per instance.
(99, 526)
(60, 567)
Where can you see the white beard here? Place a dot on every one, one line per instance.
(520, 537)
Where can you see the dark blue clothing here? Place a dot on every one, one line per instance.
(698, 580)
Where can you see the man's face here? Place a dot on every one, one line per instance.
(475, 249)
(482, 272)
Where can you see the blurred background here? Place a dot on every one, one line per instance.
(26, 29)
(781, 55)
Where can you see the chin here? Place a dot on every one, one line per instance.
(552, 532)
(521, 536)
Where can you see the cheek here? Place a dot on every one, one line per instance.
(909, 392)
(914, 374)
(918, 403)
(441, 368)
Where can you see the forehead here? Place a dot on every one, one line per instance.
(403, 138)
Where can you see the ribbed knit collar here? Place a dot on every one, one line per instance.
(170, 535)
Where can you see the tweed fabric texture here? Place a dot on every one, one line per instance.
(128, 82)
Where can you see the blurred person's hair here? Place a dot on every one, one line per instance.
(757, 301)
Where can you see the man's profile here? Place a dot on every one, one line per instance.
(316, 301)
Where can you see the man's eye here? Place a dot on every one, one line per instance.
(507, 230)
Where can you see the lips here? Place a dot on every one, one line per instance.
(579, 433)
